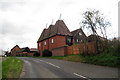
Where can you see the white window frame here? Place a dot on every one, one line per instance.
(52, 41)
(45, 43)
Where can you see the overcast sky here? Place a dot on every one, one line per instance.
(22, 21)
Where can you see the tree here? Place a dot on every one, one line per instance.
(6, 53)
(96, 22)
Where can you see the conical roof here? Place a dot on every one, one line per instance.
(59, 28)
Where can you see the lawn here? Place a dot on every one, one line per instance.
(11, 67)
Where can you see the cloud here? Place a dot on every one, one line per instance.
(22, 21)
(7, 4)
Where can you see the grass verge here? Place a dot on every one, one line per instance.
(0, 58)
(104, 59)
(11, 67)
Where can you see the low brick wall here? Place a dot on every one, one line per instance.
(61, 51)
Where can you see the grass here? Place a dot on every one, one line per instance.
(104, 59)
(0, 70)
(0, 58)
(74, 58)
(11, 67)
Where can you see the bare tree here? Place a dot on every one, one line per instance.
(96, 22)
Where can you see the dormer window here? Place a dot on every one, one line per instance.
(80, 34)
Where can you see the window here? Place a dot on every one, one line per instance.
(52, 40)
(45, 43)
(80, 33)
(39, 44)
(77, 40)
(69, 40)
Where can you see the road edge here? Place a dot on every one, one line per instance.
(22, 73)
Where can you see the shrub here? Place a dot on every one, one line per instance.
(36, 54)
(47, 53)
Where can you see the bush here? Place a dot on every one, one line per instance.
(47, 53)
(106, 59)
(36, 54)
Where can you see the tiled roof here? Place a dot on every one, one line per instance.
(93, 37)
(33, 49)
(14, 47)
(26, 49)
(78, 30)
(59, 28)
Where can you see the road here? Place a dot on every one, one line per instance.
(52, 68)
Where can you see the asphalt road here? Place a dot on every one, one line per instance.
(52, 68)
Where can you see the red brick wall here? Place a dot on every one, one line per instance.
(39, 48)
(69, 50)
(42, 46)
(45, 46)
(58, 41)
(15, 49)
(58, 47)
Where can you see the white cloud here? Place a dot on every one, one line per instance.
(22, 21)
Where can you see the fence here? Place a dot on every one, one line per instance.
(75, 49)
(82, 48)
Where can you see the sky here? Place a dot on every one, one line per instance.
(22, 21)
